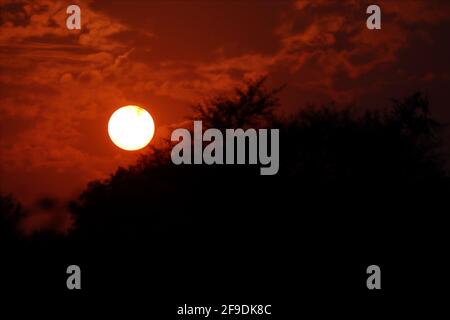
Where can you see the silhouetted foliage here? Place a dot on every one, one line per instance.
(10, 214)
(353, 184)
(399, 144)
(334, 151)
(249, 106)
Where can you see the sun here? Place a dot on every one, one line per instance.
(131, 128)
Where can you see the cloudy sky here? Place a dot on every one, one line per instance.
(58, 87)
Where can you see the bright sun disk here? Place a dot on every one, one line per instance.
(131, 128)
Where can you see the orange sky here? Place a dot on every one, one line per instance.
(58, 87)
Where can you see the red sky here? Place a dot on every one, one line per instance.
(58, 87)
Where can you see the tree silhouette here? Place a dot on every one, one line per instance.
(10, 214)
(353, 184)
(339, 150)
(400, 144)
(249, 106)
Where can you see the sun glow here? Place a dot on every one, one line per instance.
(131, 128)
